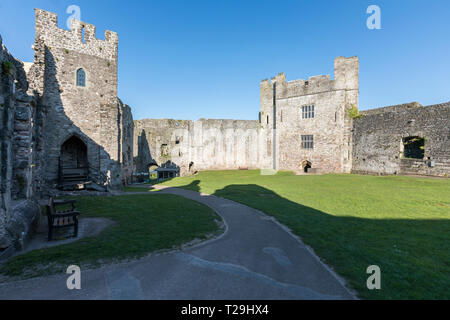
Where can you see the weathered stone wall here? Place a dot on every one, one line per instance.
(93, 112)
(18, 210)
(41, 107)
(7, 107)
(378, 136)
(206, 144)
(330, 127)
(127, 134)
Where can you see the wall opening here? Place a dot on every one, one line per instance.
(306, 165)
(83, 34)
(164, 150)
(413, 147)
(74, 153)
(73, 161)
(307, 141)
(81, 78)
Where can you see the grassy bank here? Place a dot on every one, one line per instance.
(143, 224)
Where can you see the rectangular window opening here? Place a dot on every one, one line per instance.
(308, 112)
(307, 141)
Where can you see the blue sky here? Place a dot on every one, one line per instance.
(204, 59)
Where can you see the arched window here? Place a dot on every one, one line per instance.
(81, 78)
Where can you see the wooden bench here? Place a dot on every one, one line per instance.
(61, 219)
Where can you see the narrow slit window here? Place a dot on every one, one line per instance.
(83, 33)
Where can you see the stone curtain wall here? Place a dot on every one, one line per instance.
(378, 138)
(18, 142)
(209, 144)
(331, 127)
(92, 113)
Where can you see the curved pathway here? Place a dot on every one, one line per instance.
(256, 258)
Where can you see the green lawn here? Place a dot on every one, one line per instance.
(401, 224)
(143, 224)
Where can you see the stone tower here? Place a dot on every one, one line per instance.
(88, 131)
(307, 122)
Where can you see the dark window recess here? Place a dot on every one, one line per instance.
(307, 141)
(306, 166)
(267, 119)
(413, 147)
(81, 78)
(307, 112)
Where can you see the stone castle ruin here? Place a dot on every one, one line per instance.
(63, 127)
(62, 124)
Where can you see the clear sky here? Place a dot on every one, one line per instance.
(191, 59)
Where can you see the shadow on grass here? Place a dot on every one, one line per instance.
(414, 255)
(140, 188)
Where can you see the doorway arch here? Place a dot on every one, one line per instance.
(306, 165)
(73, 160)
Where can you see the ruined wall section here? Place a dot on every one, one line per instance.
(206, 144)
(127, 136)
(18, 210)
(331, 126)
(266, 120)
(7, 109)
(92, 113)
(378, 135)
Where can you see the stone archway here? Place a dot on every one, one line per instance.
(73, 162)
(306, 165)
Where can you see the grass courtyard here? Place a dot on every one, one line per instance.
(401, 224)
(143, 224)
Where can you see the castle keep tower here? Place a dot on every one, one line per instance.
(307, 124)
(88, 131)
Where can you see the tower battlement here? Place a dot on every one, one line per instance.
(346, 72)
(54, 37)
